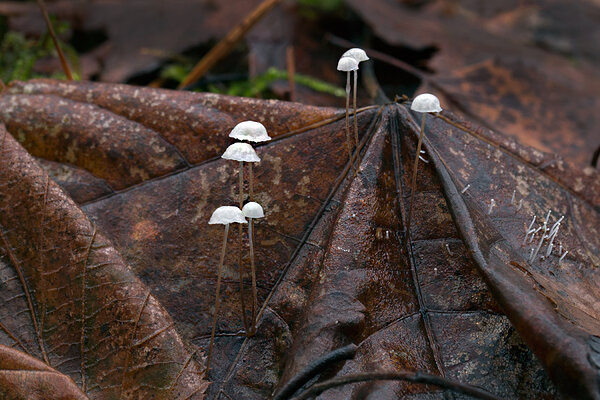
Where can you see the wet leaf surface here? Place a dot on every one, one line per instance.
(332, 265)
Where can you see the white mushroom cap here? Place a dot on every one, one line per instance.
(426, 103)
(356, 53)
(253, 210)
(227, 215)
(251, 131)
(347, 64)
(241, 152)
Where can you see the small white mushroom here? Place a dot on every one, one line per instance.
(423, 103)
(241, 152)
(250, 131)
(492, 205)
(223, 215)
(253, 210)
(426, 103)
(348, 64)
(359, 55)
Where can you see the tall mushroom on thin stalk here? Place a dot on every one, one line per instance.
(423, 103)
(348, 64)
(359, 55)
(250, 131)
(223, 215)
(241, 152)
(253, 210)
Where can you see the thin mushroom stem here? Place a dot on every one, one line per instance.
(217, 298)
(251, 179)
(240, 248)
(348, 140)
(414, 177)
(253, 269)
(354, 100)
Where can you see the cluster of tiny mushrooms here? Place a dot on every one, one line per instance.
(251, 131)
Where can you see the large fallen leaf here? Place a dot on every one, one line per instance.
(69, 299)
(331, 262)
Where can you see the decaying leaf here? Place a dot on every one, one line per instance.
(69, 299)
(331, 262)
(24, 377)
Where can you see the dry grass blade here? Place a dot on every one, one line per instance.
(61, 55)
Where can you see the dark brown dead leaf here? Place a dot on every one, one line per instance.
(502, 62)
(69, 299)
(332, 269)
(554, 304)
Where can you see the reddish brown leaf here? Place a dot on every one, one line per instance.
(69, 299)
(24, 377)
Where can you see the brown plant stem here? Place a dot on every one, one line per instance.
(355, 115)
(251, 179)
(414, 178)
(227, 43)
(410, 376)
(241, 248)
(253, 268)
(348, 140)
(217, 298)
(61, 55)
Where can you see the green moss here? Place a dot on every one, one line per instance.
(19, 54)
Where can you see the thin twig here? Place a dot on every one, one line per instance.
(227, 43)
(61, 55)
(291, 70)
(416, 377)
(314, 368)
